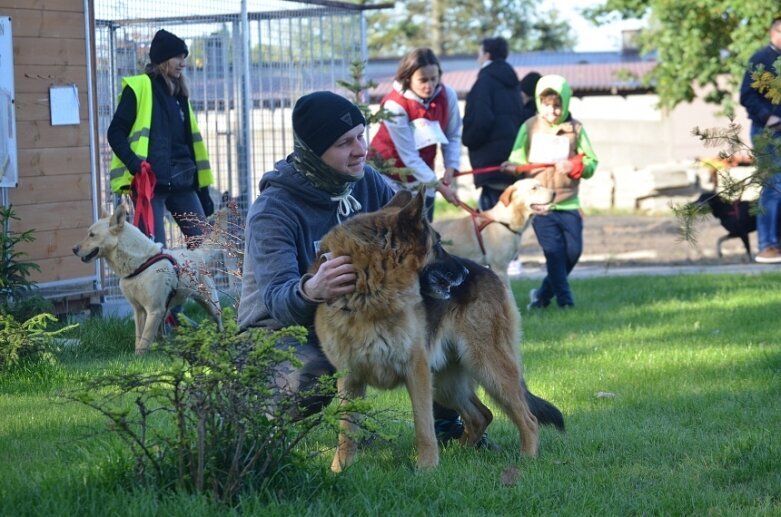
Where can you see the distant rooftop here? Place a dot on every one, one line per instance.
(549, 57)
(589, 73)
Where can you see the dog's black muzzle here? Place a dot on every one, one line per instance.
(442, 274)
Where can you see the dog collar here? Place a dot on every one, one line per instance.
(480, 220)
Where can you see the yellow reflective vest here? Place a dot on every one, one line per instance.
(119, 176)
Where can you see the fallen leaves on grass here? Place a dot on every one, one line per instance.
(510, 476)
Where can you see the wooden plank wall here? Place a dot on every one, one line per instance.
(54, 196)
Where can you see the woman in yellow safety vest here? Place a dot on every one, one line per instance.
(154, 134)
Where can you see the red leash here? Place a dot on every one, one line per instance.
(479, 221)
(497, 168)
(481, 170)
(144, 183)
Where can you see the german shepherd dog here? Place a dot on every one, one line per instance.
(436, 323)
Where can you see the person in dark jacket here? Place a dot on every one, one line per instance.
(321, 184)
(528, 87)
(154, 132)
(492, 116)
(766, 125)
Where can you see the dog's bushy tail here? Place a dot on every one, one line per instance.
(546, 413)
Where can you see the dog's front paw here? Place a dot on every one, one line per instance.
(428, 458)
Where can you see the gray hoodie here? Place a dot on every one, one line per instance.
(282, 237)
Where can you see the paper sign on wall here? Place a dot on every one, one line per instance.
(64, 105)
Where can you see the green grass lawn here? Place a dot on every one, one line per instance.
(670, 388)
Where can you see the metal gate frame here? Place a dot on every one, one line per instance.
(246, 69)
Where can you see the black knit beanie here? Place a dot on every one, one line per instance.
(166, 45)
(529, 83)
(320, 118)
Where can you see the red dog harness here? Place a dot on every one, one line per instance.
(480, 221)
(153, 260)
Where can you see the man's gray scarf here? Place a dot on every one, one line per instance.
(325, 177)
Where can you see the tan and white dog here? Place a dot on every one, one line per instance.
(493, 238)
(152, 279)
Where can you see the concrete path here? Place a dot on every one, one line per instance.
(584, 269)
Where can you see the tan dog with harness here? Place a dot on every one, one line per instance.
(150, 279)
(493, 238)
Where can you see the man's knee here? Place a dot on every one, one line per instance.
(317, 386)
(310, 387)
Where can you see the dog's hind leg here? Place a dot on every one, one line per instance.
(744, 238)
(477, 417)
(454, 389)
(719, 242)
(418, 382)
(511, 397)
(501, 377)
(348, 425)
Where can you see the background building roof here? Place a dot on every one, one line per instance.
(589, 73)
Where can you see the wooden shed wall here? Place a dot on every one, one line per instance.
(54, 196)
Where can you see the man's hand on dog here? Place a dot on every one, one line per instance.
(335, 277)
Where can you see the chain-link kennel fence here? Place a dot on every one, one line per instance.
(249, 61)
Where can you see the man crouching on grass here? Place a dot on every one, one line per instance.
(321, 184)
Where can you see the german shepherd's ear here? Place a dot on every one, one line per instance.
(117, 218)
(400, 199)
(413, 212)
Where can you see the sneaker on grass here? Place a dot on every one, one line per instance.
(769, 255)
(452, 429)
(515, 268)
(534, 300)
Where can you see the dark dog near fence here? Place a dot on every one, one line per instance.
(735, 217)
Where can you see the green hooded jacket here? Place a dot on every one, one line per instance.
(565, 129)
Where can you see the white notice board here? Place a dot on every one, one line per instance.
(8, 164)
(64, 104)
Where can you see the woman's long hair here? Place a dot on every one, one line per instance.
(409, 64)
(176, 86)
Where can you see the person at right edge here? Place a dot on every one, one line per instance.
(558, 141)
(492, 116)
(766, 128)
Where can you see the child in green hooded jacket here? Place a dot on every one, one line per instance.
(559, 144)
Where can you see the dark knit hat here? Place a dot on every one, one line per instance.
(320, 118)
(166, 45)
(529, 83)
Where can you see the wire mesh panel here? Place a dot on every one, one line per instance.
(246, 68)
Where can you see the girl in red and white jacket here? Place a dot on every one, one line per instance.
(424, 115)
